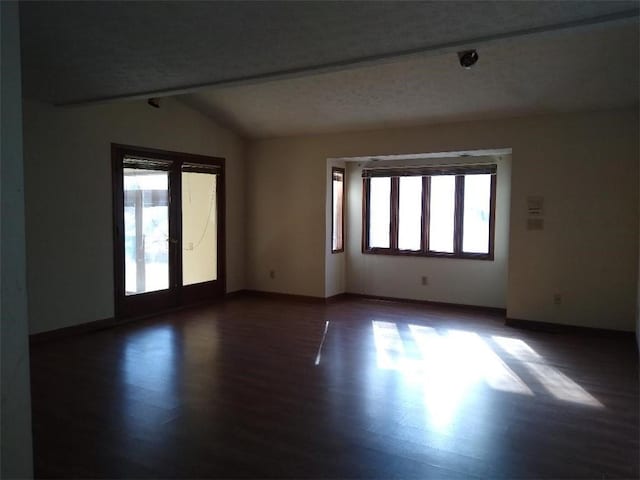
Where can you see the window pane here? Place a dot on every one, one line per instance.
(338, 193)
(146, 230)
(410, 213)
(379, 212)
(199, 228)
(477, 205)
(441, 213)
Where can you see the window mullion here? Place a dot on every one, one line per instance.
(395, 201)
(458, 215)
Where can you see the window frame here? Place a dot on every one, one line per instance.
(341, 171)
(426, 173)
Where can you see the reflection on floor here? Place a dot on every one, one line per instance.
(254, 387)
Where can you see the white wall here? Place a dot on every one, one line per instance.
(286, 224)
(69, 198)
(15, 422)
(335, 263)
(585, 165)
(470, 282)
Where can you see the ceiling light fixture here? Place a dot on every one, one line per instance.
(468, 58)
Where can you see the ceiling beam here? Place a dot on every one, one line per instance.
(625, 16)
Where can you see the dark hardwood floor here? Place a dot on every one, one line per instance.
(238, 389)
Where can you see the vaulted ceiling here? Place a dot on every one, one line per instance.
(569, 71)
(279, 68)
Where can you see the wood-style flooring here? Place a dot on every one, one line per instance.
(242, 389)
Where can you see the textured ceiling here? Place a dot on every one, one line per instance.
(83, 51)
(582, 69)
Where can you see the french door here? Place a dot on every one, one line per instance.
(168, 229)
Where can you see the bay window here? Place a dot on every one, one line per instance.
(430, 211)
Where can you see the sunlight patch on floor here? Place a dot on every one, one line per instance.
(554, 381)
(450, 363)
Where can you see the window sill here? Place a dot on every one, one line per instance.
(410, 253)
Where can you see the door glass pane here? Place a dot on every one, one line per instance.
(441, 213)
(410, 213)
(199, 228)
(379, 212)
(477, 204)
(146, 230)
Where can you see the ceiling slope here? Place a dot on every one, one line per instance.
(574, 70)
(88, 51)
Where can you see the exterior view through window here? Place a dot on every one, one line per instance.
(430, 211)
(410, 213)
(337, 223)
(146, 226)
(199, 227)
(146, 230)
(379, 212)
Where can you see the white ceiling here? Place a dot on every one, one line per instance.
(86, 51)
(584, 69)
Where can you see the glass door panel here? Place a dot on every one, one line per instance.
(168, 229)
(146, 230)
(199, 227)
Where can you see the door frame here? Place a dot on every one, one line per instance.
(176, 295)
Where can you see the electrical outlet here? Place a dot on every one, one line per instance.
(557, 299)
(425, 280)
(272, 274)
